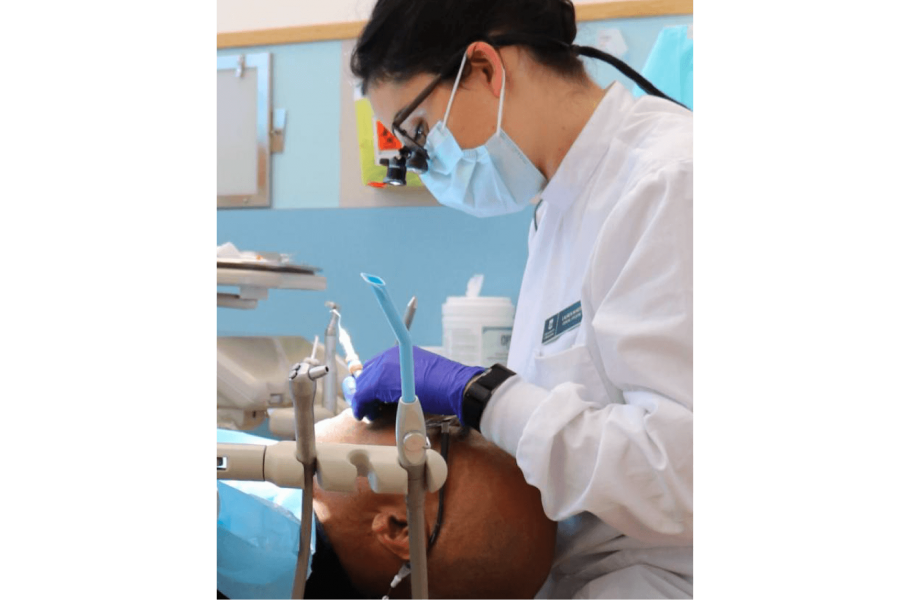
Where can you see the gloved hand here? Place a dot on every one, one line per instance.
(440, 383)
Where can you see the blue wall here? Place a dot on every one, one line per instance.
(429, 252)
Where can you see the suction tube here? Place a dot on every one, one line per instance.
(407, 376)
(412, 442)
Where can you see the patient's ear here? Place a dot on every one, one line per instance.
(392, 530)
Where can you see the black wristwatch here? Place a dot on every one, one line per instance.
(479, 391)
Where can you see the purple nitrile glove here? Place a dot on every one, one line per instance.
(440, 383)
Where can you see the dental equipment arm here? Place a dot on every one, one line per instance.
(255, 273)
(412, 441)
(337, 466)
(303, 389)
(252, 384)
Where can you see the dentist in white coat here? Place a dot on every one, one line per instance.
(596, 401)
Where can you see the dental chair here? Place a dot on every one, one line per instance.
(252, 389)
(245, 399)
(292, 464)
(250, 373)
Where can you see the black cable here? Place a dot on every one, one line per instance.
(511, 39)
(626, 70)
(445, 445)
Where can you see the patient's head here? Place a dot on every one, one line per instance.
(495, 541)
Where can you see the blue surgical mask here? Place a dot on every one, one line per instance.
(494, 179)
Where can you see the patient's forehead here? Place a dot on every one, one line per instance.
(345, 429)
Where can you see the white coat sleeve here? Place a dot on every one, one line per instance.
(631, 463)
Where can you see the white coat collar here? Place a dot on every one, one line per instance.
(589, 149)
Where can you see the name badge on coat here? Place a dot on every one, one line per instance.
(566, 319)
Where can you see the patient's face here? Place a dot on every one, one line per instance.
(489, 509)
(342, 508)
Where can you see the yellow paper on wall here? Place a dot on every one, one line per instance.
(375, 143)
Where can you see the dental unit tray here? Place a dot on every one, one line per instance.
(251, 387)
(254, 279)
(274, 268)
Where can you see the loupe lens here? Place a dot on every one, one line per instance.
(396, 171)
(417, 162)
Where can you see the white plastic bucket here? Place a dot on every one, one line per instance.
(477, 330)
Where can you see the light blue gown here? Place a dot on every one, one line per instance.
(257, 533)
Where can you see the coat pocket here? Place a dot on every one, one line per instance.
(572, 365)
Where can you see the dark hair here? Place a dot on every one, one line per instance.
(404, 38)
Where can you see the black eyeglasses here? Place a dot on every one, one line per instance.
(413, 156)
(417, 141)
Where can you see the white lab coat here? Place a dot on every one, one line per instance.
(600, 419)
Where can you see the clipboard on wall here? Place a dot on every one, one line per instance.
(243, 111)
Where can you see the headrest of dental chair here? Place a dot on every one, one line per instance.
(328, 578)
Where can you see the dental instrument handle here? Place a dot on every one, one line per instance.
(412, 442)
(331, 337)
(303, 390)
